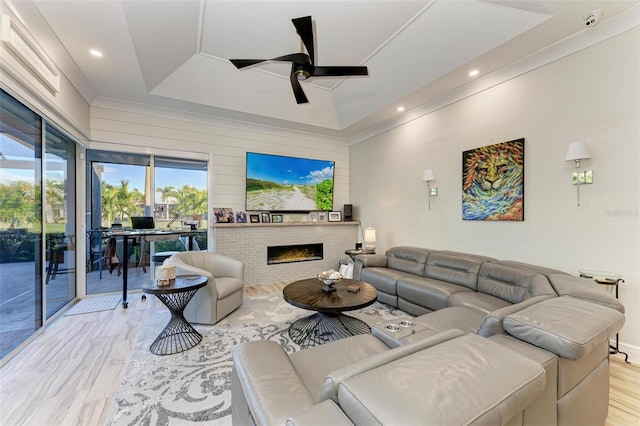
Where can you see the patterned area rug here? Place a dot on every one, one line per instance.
(94, 304)
(195, 386)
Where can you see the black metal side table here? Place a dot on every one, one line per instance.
(609, 279)
(178, 335)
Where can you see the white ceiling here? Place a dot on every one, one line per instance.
(174, 53)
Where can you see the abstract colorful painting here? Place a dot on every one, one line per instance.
(493, 182)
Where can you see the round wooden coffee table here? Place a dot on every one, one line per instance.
(329, 323)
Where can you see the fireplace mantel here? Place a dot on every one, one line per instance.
(257, 225)
(248, 242)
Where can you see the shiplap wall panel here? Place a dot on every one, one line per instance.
(226, 147)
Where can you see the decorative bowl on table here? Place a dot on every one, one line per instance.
(329, 279)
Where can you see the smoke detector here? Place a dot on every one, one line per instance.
(592, 18)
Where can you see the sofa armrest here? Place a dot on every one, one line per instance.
(492, 323)
(566, 326)
(467, 380)
(269, 381)
(333, 380)
(368, 261)
(227, 267)
(584, 289)
(371, 260)
(324, 413)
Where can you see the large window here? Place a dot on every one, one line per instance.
(120, 186)
(32, 266)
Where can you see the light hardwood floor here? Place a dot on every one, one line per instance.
(70, 373)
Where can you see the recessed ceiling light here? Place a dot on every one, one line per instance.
(473, 73)
(400, 109)
(96, 53)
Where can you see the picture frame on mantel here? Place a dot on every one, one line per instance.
(335, 216)
(322, 216)
(254, 218)
(276, 218)
(265, 218)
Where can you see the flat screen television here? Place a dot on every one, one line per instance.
(288, 184)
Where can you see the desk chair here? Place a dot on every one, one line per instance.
(57, 245)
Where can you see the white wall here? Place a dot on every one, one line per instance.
(592, 95)
(66, 108)
(136, 128)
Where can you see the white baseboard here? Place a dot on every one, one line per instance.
(631, 350)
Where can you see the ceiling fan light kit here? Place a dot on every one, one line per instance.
(303, 64)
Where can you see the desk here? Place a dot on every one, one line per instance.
(609, 279)
(178, 335)
(151, 234)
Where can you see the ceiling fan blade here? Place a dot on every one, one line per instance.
(338, 71)
(298, 58)
(242, 63)
(301, 98)
(304, 27)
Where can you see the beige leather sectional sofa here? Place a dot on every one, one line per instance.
(493, 342)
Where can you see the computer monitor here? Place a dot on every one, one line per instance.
(142, 222)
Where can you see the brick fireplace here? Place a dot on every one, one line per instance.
(249, 243)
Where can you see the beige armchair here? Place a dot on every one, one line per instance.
(222, 295)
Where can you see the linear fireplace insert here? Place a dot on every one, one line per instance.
(294, 253)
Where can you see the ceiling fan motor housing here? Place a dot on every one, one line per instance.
(301, 71)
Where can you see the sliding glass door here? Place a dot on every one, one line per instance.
(37, 222)
(20, 223)
(59, 220)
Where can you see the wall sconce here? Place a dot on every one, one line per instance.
(427, 176)
(579, 151)
(370, 240)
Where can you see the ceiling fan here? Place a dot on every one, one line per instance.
(303, 64)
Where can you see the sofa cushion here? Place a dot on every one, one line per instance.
(481, 302)
(465, 319)
(333, 380)
(529, 267)
(543, 410)
(584, 289)
(430, 293)
(407, 259)
(565, 326)
(314, 365)
(444, 385)
(383, 279)
(410, 308)
(327, 410)
(469, 255)
(510, 283)
(453, 269)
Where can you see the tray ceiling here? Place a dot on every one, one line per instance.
(175, 54)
